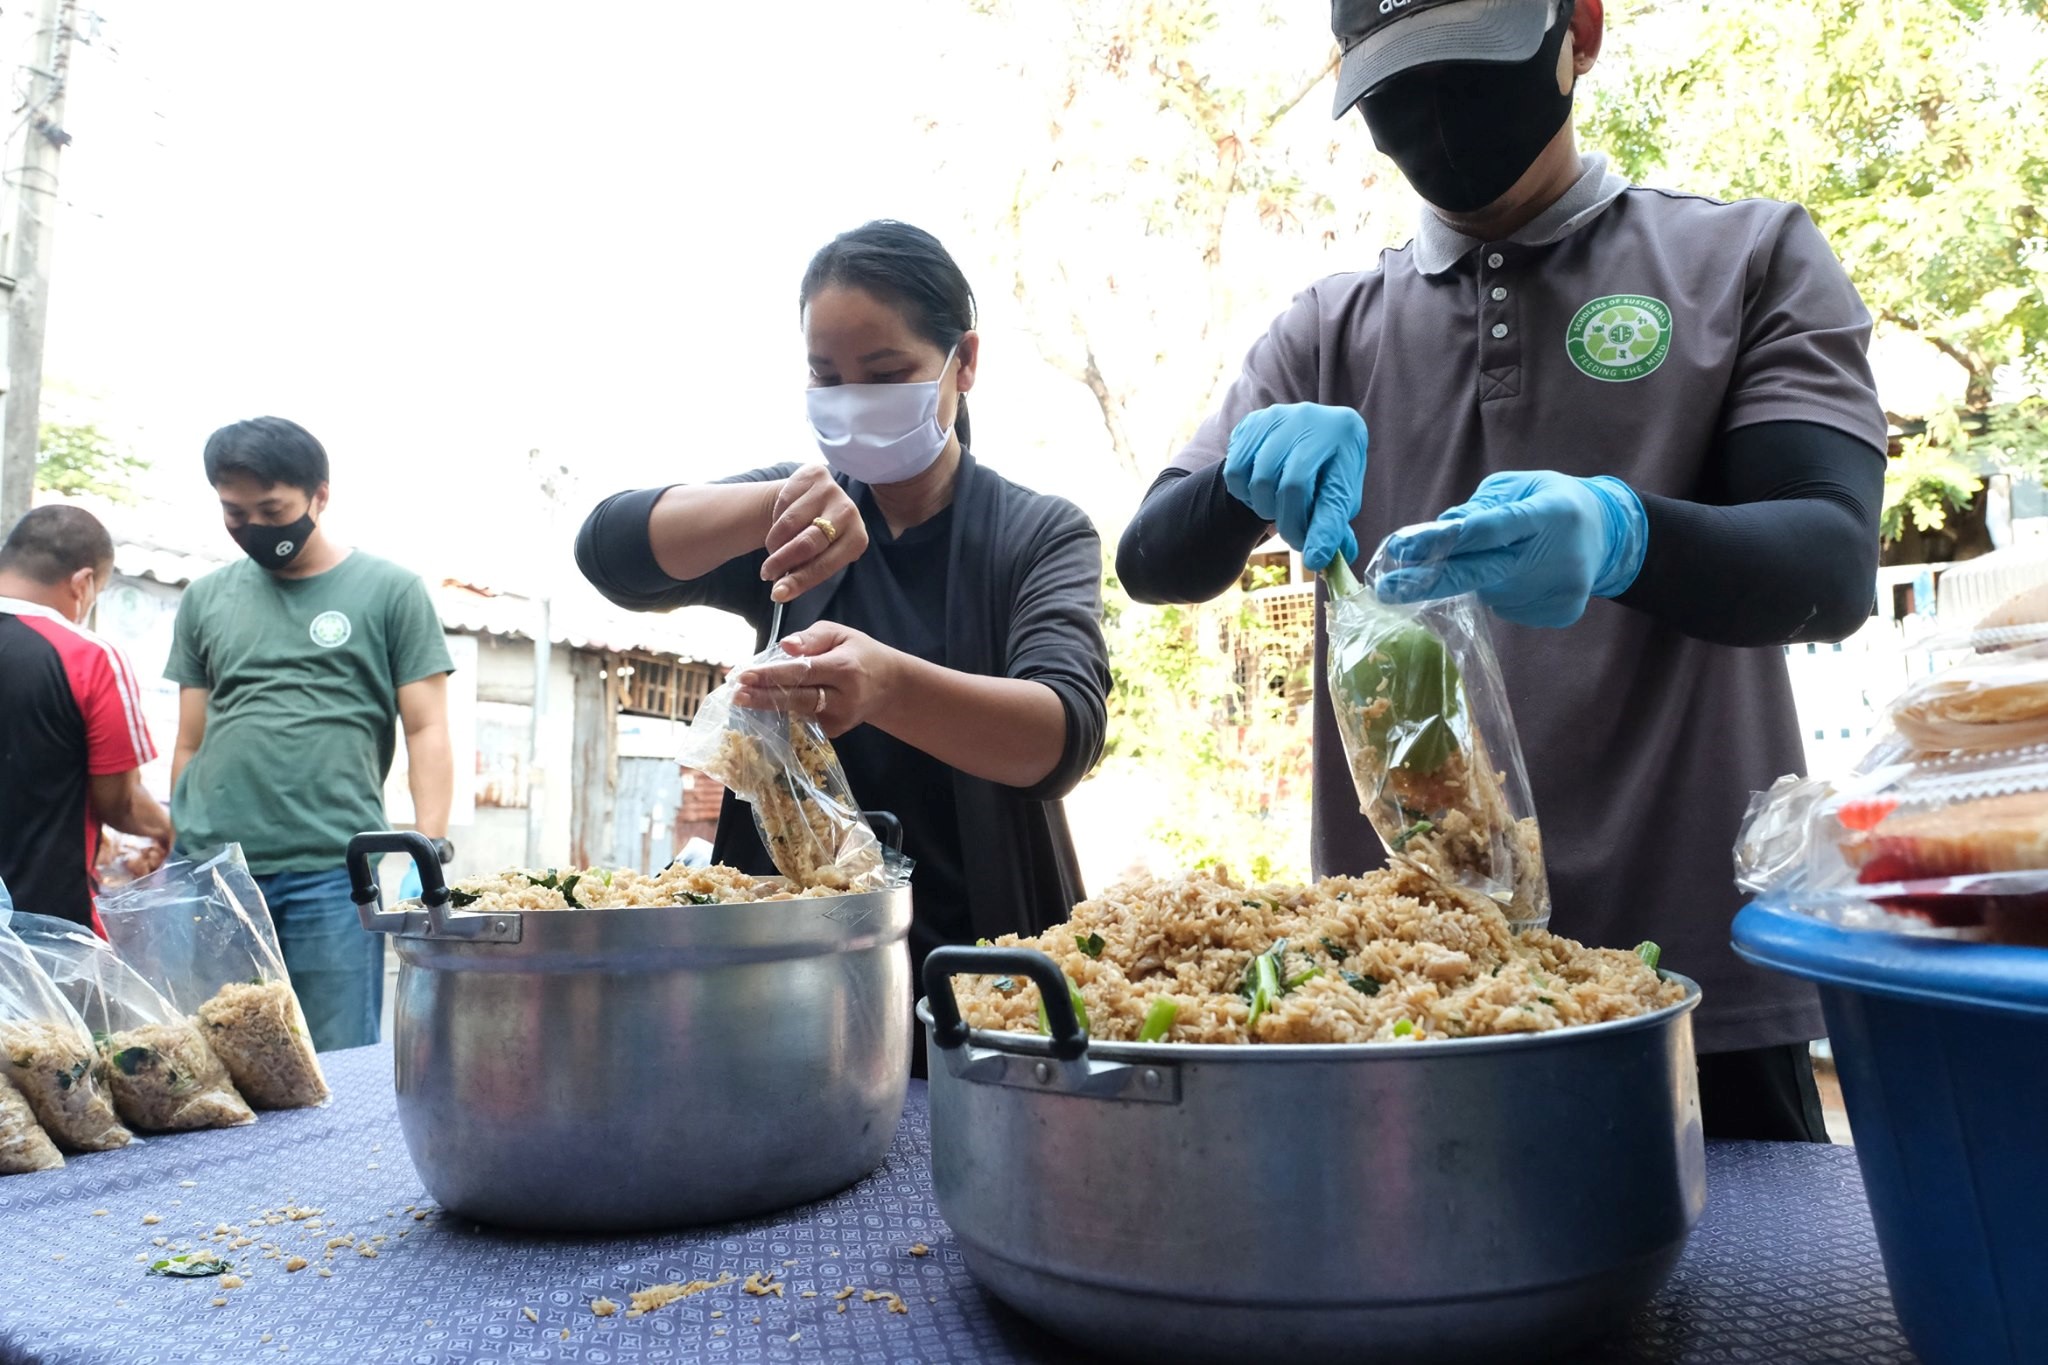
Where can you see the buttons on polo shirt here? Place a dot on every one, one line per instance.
(1499, 293)
(1500, 329)
(1495, 261)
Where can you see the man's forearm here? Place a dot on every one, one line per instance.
(1189, 540)
(142, 816)
(430, 775)
(1788, 555)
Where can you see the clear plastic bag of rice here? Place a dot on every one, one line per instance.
(47, 1052)
(1424, 718)
(24, 1146)
(199, 932)
(164, 1075)
(783, 766)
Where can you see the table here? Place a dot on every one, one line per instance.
(1782, 1270)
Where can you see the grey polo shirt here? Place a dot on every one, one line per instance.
(1624, 332)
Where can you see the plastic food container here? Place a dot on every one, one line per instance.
(1939, 1046)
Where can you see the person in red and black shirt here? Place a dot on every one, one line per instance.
(72, 737)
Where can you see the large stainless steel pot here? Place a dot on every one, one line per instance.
(1485, 1199)
(605, 1070)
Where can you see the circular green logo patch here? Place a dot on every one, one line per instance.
(1620, 337)
(331, 629)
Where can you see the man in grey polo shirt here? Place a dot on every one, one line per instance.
(1648, 416)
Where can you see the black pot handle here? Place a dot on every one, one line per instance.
(362, 877)
(949, 1030)
(887, 828)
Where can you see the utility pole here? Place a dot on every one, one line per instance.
(34, 181)
(549, 483)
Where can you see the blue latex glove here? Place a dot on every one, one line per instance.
(1301, 466)
(409, 889)
(1535, 547)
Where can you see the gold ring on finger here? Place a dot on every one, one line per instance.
(825, 524)
(821, 701)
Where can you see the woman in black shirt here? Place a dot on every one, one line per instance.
(948, 620)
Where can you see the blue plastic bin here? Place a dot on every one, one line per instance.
(1942, 1050)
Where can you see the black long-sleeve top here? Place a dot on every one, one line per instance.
(1007, 583)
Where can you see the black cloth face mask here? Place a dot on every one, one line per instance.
(274, 547)
(1464, 132)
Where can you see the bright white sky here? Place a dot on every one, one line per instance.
(441, 235)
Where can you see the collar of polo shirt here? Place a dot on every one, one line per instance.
(1439, 246)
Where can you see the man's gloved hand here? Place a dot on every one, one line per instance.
(1535, 547)
(1301, 466)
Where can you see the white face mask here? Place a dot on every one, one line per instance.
(880, 433)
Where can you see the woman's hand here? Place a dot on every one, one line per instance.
(839, 677)
(801, 553)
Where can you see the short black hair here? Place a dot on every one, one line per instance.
(270, 450)
(49, 544)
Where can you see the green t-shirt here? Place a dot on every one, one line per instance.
(303, 677)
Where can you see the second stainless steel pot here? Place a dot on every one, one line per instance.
(1487, 1199)
(604, 1070)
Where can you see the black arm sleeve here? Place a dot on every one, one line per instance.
(1189, 540)
(616, 553)
(1780, 548)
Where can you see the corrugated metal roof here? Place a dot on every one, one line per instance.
(579, 617)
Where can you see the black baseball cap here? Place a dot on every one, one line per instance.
(1382, 38)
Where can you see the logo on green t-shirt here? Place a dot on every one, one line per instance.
(1619, 337)
(331, 629)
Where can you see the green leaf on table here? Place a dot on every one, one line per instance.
(193, 1265)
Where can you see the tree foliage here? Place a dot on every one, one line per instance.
(1210, 700)
(1903, 128)
(1185, 150)
(78, 460)
(1922, 486)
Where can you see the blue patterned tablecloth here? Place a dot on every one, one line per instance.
(1783, 1270)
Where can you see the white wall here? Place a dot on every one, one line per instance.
(497, 839)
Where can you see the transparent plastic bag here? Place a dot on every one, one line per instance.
(1424, 717)
(163, 1074)
(47, 1052)
(200, 933)
(24, 1146)
(1995, 701)
(782, 765)
(1954, 845)
(124, 857)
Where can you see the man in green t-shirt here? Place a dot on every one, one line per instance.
(294, 669)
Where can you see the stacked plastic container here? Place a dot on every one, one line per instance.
(1914, 892)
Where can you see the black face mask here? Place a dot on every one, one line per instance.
(1464, 132)
(274, 547)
